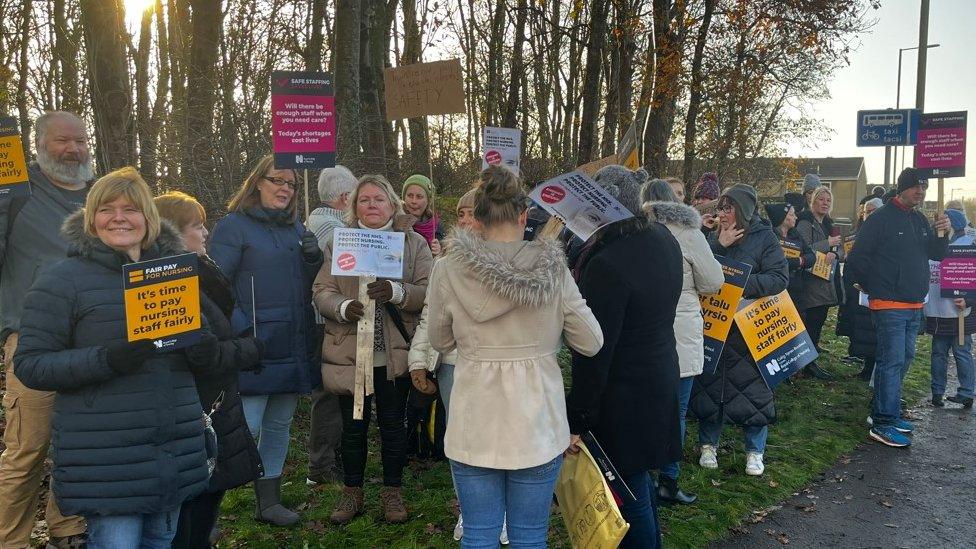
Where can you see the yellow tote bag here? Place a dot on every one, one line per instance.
(587, 505)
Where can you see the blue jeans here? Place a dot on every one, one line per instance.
(269, 419)
(445, 381)
(644, 532)
(755, 437)
(672, 470)
(152, 531)
(486, 496)
(897, 331)
(964, 364)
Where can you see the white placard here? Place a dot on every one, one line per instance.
(364, 252)
(580, 203)
(501, 147)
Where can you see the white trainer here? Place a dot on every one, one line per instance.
(754, 464)
(708, 459)
(503, 538)
(459, 529)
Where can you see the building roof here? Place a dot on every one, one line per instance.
(764, 168)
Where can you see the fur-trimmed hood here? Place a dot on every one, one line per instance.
(82, 244)
(522, 274)
(673, 213)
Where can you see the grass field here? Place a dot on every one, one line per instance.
(818, 423)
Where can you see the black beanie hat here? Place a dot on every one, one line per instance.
(797, 200)
(909, 178)
(776, 212)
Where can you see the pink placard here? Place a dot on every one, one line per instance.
(957, 273)
(941, 148)
(303, 123)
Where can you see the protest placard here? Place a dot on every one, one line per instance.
(590, 168)
(13, 167)
(940, 150)
(776, 337)
(791, 249)
(365, 252)
(303, 122)
(162, 301)
(627, 154)
(822, 268)
(957, 272)
(422, 89)
(719, 309)
(501, 147)
(849, 244)
(582, 205)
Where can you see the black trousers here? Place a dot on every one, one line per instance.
(391, 407)
(197, 518)
(813, 319)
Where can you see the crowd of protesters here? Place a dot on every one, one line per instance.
(477, 319)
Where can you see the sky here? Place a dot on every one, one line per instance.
(870, 82)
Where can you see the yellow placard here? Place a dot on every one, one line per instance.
(822, 268)
(790, 249)
(718, 310)
(590, 168)
(160, 310)
(13, 165)
(768, 323)
(848, 245)
(593, 520)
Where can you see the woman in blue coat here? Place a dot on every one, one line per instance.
(127, 430)
(261, 245)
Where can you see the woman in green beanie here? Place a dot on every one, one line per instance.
(418, 201)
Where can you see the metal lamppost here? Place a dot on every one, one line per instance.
(898, 106)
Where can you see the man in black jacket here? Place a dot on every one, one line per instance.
(889, 262)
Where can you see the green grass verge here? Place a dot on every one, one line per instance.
(817, 424)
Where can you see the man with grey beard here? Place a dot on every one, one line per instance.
(30, 240)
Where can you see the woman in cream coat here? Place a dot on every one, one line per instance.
(506, 305)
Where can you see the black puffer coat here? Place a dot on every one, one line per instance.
(238, 461)
(736, 389)
(122, 444)
(855, 322)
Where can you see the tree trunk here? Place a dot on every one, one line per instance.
(348, 16)
(147, 146)
(313, 50)
(108, 73)
(23, 74)
(591, 80)
(612, 76)
(199, 148)
(695, 98)
(372, 20)
(510, 119)
(494, 76)
(65, 55)
(669, 22)
(420, 161)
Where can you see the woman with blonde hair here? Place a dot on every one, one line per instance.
(373, 205)
(270, 259)
(127, 431)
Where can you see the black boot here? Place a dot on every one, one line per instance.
(965, 401)
(937, 401)
(668, 492)
(868, 369)
(815, 371)
(267, 491)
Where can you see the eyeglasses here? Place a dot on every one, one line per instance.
(726, 208)
(277, 182)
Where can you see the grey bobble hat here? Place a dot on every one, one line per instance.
(623, 184)
(810, 182)
(745, 197)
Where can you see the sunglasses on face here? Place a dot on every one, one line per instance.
(277, 182)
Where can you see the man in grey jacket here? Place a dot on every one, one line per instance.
(30, 240)
(325, 433)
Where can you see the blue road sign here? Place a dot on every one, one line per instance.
(887, 128)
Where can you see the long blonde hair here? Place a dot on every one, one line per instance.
(352, 219)
(128, 183)
(248, 195)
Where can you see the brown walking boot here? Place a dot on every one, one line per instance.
(348, 506)
(392, 501)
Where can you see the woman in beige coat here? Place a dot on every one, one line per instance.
(702, 276)
(506, 305)
(373, 205)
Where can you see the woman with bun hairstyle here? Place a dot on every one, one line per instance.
(506, 443)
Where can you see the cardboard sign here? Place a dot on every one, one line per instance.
(940, 150)
(502, 147)
(718, 310)
(822, 268)
(303, 120)
(791, 249)
(423, 88)
(582, 205)
(957, 272)
(849, 244)
(162, 301)
(365, 252)
(776, 337)
(627, 149)
(13, 166)
(590, 168)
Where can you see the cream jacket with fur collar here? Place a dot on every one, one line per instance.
(507, 307)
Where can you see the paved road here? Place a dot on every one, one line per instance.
(883, 497)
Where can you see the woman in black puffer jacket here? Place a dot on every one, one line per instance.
(127, 430)
(238, 461)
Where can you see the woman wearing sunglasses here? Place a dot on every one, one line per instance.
(271, 260)
(736, 393)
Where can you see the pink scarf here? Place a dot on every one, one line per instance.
(427, 228)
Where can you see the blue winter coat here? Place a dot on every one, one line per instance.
(122, 443)
(253, 244)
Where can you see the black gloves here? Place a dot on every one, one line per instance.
(310, 247)
(380, 291)
(354, 311)
(258, 345)
(125, 357)
(203, 351)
